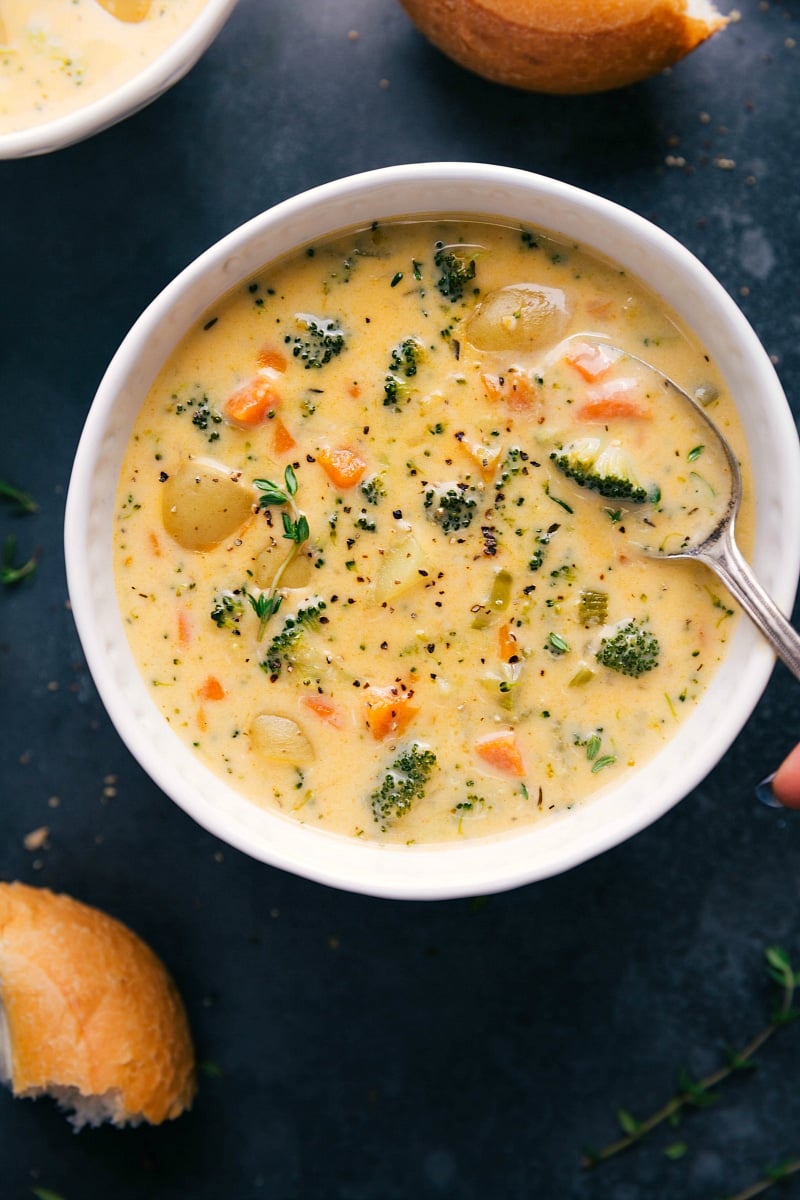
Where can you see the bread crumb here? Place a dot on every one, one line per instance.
(790, 43)
(705, 118)
(750, 180)
(675, 160)
(36, 839)
(52, 685)
(53, 801)
(383, 84)
(744, 290)
(724, 164)
(333, 942)
(353, 35)
(219, 856)
(734, 15)
(25, 758)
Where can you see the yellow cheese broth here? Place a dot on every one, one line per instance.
(59, 55)
(480, 630)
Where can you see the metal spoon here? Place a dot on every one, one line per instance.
(718, 548)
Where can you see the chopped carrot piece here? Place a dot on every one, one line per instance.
(211, 689)
(591, 360)
(323, 708)
(252, 403)
(485, 458)
(202, 723)
(155, 545)
(516, 389)
(345, 468)
(501, 751)
(389, 710)
(267, 357)
(599, 307)
(618, 398)
(506, 643)
(354, 390)
(282, 440)
(184, 627)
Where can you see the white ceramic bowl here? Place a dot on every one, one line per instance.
(150, 83)
(613, 815)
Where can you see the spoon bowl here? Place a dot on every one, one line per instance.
(708, 532)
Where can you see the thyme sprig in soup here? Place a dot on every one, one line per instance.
(372, 546)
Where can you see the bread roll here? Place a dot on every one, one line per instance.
(565, 46)
(88, 1014)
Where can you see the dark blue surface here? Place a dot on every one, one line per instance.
(364, 1049)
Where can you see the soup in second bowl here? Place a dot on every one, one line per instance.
(372, 540)
(57, 56)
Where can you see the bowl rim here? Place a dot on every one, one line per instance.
(134, 94)
(438, 871)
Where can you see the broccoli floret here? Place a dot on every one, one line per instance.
(396, 391)
(204, 415)
(542, 539)
(403, 783)
(321, 339)
(373, 489)
(606, 470)
(406, 356)
(632, 650)
(282, 650)
(228, 611)
(451, 505)
(365, 522)
(456, 266)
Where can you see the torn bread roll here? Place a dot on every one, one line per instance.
(88, 1013)
(565, 46)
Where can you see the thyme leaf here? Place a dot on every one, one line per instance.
(295, 529)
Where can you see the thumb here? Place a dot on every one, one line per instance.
(786, 782)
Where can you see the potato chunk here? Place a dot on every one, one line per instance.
(521, 317)
(203, 503)
(400, 567)
(280, 739)
(297, 575)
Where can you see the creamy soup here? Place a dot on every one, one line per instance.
(375, 538)
(59, 55)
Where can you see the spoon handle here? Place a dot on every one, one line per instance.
(725, 558)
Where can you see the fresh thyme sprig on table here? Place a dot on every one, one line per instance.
(11, 571)
(772, 1176)
(699, 1093)
(295, 529)
(24, 502)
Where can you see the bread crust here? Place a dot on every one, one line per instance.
(565, 46)
(89, 1006)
